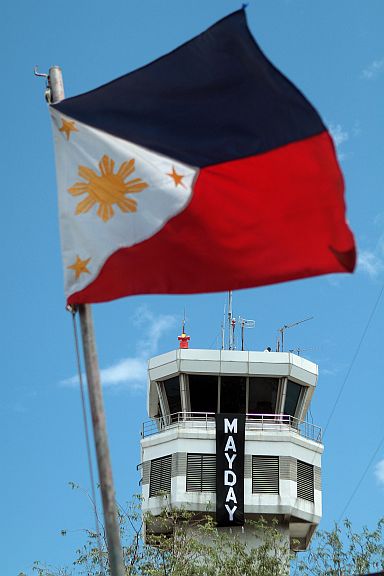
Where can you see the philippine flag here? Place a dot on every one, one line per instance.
(206, 170)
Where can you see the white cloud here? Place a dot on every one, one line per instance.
(154, 328)
(371, 261)
(131, 372)
(338, 134)
(373, 69)
(379, 472)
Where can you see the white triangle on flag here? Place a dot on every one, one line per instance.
(101, 227)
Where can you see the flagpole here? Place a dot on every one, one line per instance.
(115, 553)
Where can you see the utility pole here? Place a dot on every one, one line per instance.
(115, 553)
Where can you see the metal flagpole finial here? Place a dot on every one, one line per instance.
(54, 91)
(37, 73)
(47, 93)
(55, 84)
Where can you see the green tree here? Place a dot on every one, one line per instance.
(208, 551)
(344, 552)
(179, 551)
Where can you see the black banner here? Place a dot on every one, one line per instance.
(230, 436)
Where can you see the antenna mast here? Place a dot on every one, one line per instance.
(280, 339)
(231, 323)
(245, 324)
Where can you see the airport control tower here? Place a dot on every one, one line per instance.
(228, 433)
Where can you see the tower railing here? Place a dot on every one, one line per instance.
(253, 422)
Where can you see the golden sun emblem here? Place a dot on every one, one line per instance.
(107, 188)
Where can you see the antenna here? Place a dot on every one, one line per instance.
(223, 329)
(298, 350)
(245, 324)
(280, 339)
(231, 323)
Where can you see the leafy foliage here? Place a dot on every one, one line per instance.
(187, 545)
(344, 552)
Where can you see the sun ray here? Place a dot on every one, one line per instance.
(106, 165)
(78, 189)
(87, 173)
(137, 187)
(105, 212)
(127, 205)
(85, 205)
(126, 169)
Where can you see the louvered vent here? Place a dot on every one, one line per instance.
(265, 474)
(201, 473)
(305, 482)
(145, 469)
(160, 481)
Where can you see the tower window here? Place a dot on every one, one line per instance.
(201, 473)
(160, 478)
(262, 395)
(172, 390)
(203, 392)
(292, 398)
(232, 394)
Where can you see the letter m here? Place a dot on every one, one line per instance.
(230, 426)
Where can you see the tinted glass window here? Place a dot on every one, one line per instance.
(232, 394)
(292, 398)
(262, 395)
(203, 393)
(172, 390)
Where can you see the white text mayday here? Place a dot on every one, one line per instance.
(230, 479)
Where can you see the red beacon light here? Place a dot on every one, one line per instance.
(184, 340)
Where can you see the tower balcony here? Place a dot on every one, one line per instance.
(256, 425)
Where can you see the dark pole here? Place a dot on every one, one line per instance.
(115, 554)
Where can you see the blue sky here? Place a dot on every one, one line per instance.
(334, 51)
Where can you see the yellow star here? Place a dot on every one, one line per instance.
(80, 266)
(67, 127)
(177, 178)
